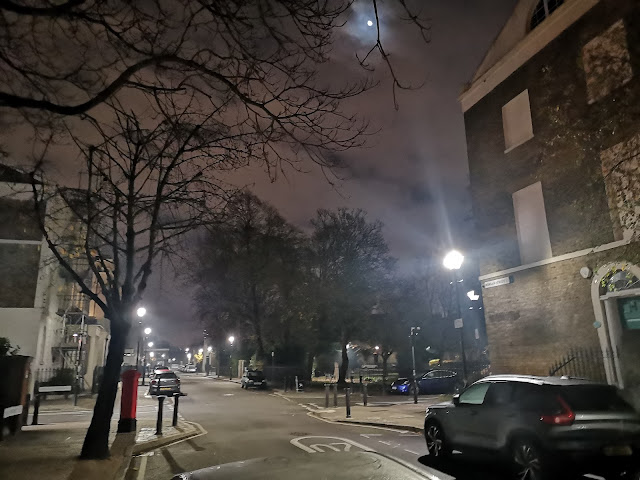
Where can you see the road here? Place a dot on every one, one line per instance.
(247, 424)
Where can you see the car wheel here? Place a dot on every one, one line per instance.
(436, 441)
(528, 460)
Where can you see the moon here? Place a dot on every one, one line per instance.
(370, 23)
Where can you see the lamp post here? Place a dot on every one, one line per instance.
(207, 367)
(453, 261)
(147, 332)
(141, 312)
(231, 340)
(412, 335)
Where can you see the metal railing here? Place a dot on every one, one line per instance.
(582, 363)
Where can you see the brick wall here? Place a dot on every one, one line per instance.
(569, 134)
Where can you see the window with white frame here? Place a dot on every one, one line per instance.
(531, 224)
(516, 121)
(543, 10)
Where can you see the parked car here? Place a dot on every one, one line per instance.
(253, 379)
(438, 381)
(189, 368)
(538, 425)
(164, 383)
(401, 385)
(158, 369)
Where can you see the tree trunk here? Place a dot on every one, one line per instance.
(344, 366)
(96, 441)
(309, 366)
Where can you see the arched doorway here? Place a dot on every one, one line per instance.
(615, 293)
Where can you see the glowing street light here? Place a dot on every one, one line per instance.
(369, 23)
(453, 260)
(150, 344)
(147, 331)
(189, 356)
(473, 295)
(186, 349)
(200, 351)
(152, 354)
(232, 339)
(141, 311)
(209, 348)
(162, 355)
(376, 348)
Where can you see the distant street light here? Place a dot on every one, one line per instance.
(186, 349)
(147, 331)
(152, 354)
(369, 23)
(150, 344)
(189, 356)
(162, 355)
(376, 348)
(473, 295)
(209, 348)
(232, 339)
(200, 351)
(141, 311)
(453, 261)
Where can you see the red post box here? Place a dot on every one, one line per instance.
(128, 401)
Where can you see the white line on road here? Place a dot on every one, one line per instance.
(386, 443)
(318, 447)
(143, 468)
(411, 451)
(369, 435)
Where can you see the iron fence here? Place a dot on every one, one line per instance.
(582, 362)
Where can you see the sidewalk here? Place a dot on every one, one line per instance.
(51, 451)
(384, 411)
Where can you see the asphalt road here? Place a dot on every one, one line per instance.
(244, 424)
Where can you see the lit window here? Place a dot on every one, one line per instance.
(543, 10)
(516, 121)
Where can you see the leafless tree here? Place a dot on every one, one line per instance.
(174, 94)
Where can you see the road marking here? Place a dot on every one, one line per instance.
(228, 394)
(386, 443)
(411, 451)
(410, 435)
(352, 424)
(330, 445)
(369, 435)
(142, 469)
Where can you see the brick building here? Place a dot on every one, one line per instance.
(552, 119)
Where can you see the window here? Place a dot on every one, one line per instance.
(474, 395)
(531, 224)
(499, 394)
(543, 10)
(516, 122)
(606, 61)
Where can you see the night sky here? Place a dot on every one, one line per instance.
(412, 175)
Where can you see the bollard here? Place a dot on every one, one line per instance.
(159, 420)
(297, 384)
(335, 394)
(36, 409)
(415, 391)
(25, 412)
(326, 395)
(348, 401)
(176, 401)
(364, 394)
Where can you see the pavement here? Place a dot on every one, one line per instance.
(50, 449)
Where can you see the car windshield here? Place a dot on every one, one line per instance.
(255, 375)
(594, 398)
(168, 376)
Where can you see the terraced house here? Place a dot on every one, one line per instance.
(552, 120)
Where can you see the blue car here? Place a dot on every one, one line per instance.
(433, 382)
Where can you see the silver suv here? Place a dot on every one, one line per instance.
(538, 425)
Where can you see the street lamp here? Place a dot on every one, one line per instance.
(141, 311)
(412, 335)
(209, 348)
(150, 344)
(147, 331)
(453, 261)
(200, 351)
(231, 340)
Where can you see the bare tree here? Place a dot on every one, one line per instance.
(144, 189)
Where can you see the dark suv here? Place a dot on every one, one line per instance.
(538, 425)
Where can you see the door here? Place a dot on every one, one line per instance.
(497, 410)
(465, 415)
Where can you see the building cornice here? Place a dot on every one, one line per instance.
(565, 16)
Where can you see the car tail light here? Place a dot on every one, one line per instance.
(564, 418)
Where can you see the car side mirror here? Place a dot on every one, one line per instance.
(456, 399)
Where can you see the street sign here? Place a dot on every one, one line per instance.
(457, 323)
(498, 281)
